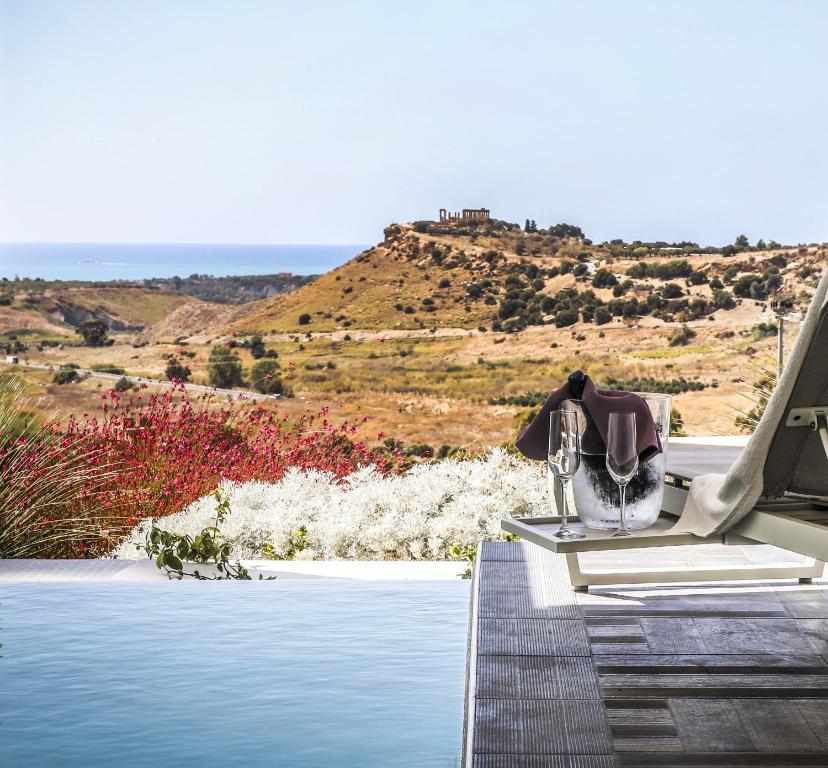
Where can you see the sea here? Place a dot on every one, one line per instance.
(120, 261)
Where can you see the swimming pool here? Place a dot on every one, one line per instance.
(287, 673)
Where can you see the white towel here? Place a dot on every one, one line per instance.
(715, 501)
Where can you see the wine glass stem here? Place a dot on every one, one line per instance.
(564, 510)
(622, 525)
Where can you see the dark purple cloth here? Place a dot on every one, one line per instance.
(533, 442)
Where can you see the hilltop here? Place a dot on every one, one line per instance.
(497, 276)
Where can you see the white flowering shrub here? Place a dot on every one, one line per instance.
(414, 516)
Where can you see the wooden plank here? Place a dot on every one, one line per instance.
(536, 677)
(710, 725)
(714, 663)
(656, 744)
(775, 726)
(815, 713)
(501, 601)
(532, 637)
(545, 761)
(720, 760)
(541, 727)
(704, 635)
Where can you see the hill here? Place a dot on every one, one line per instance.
(499, 277)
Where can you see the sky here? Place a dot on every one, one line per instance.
(323, 122)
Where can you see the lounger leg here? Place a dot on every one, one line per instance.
(576, 576)
(819, 568)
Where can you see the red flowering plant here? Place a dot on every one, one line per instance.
(149, 455)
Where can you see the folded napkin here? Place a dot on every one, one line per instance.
(533, 442)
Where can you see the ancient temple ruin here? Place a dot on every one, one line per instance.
(468, 214)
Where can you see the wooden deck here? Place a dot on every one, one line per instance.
(643, 676)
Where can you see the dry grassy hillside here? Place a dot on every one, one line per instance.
(508, 279)
(59, 311)
(446, 335)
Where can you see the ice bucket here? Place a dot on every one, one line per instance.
(595, 493)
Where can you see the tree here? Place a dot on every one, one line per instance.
(257, 347)
(224, 369)
(565, 317)
(94, 333)
(527, 227)
(603, 278)
(742, 242)
(602, 315)
(176, 370)
(264, 376)
(304, 319)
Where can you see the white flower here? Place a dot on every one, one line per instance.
(414, 516)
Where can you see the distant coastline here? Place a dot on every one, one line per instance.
(122, 261)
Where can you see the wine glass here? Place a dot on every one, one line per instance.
(622, 458)
(564, 457)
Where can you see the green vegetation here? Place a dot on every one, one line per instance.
(297, 542)
(65, 376)
(171, 551)
(224, 368)
(264, 377)
(661, 270)
(679, 337)
(232, 289)
(94, 333)
(651, 384)
(176, 369)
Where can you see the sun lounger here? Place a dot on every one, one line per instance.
(773, 489)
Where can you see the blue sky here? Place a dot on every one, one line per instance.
(321, 122)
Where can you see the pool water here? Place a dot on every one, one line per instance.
(292, 673)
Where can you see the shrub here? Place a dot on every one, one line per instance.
(64, 376)
(224, 369)
(264, 376)
(672, 291)
(661, 271)
(444, 283)
(177, 370)
(151, 456)
(370, 515)
(676, 423)
(256, 347)
(601, 316)
(565, 318)
(680, 336)
(722, 299)
(603, 278)
(50, 484)
(762, 330)
(94, 333)
(123, 384)
(304, 319)
(105, 368)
